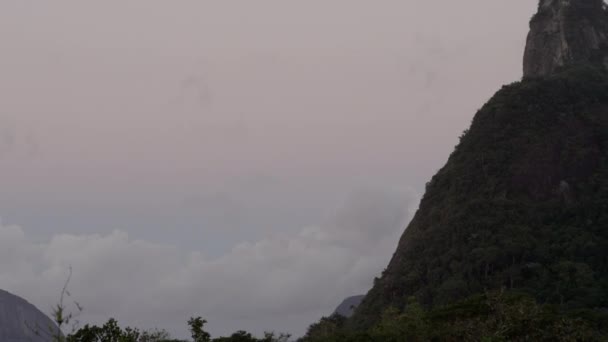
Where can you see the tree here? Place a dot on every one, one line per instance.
(196, 329)
(109, 332)
(155, 336)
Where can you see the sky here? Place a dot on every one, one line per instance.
(251, 162)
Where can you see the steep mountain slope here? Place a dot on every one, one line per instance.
(19, 320)
(522, 202)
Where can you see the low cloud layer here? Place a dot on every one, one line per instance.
(283, 282)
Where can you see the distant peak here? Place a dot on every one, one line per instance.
(347, 307)
(566, 32)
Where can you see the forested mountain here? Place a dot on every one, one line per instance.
(516, 223)
(522, 202)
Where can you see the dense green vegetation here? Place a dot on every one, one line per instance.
(490, 317)
(522, 203)
(112, 332)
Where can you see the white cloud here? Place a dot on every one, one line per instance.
(283, 282)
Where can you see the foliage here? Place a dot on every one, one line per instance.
(155, 336)
(196, 329)
(326, 329)
(112, 332)
(496, 316)
(522, 203)
(109, 332)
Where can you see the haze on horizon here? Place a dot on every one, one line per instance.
(252, 162)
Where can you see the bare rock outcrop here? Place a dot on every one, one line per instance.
(566, 32)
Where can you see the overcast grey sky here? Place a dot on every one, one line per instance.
(253, 162)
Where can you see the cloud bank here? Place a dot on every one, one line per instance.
(283, 282)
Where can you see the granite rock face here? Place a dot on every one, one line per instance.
(19, 320)
(566, 32)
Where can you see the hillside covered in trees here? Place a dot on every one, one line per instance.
(522, 205)
(520, 209)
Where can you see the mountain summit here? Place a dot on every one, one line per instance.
(566, 32)
(522, 202)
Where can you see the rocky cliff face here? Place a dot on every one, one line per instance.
(19, 320)
(566, 32)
